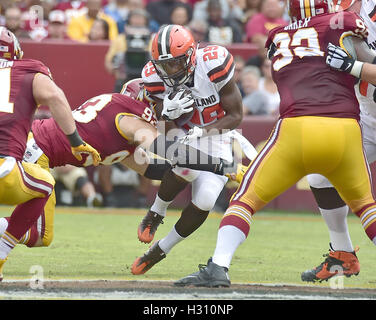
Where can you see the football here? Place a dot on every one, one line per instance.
(184, 118)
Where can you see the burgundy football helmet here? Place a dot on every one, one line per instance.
(301, 9)
(10, 48)
(135, 89)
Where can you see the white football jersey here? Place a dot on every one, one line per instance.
(366, 92)
(214, 68)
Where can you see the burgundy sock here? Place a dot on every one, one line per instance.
(24, 216)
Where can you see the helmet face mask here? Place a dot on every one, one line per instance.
(173, 71)
(174, 55)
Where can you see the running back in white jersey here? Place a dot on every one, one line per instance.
(214, 68)
(366, 92)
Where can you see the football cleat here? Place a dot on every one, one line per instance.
(2, 261)
(148, 226)
(336, 263)
(149, 259)
(210, 275)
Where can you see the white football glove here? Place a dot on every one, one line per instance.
(338, 59)
(174, 107)
(192, 135)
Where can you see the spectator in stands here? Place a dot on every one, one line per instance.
(160, 10)
(255, 102)
(222, 31)
(270, 16)
(115, 59)
(118, 10)
(199, 29)
(13, 22)
(258, 27)
(80, 26)
(239, 66)
(4, 4)
(269, 88)
(57, 28)
(251, 8)
(71, 8)
(180, 15)
(230, 10)
(76, 181)
(99, 30)
(47, 6)
(122, 187)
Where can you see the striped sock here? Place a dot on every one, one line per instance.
(7, 243)
(367, 217)
(233, 230)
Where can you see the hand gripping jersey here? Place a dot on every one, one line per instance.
(366, 92)
(308, 87)
(214, 68)
(17, 104)
(97, 124)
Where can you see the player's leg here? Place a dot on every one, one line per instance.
(273, 171)
(334, 212)
(30, 185)
(205, 191)
(352, 179)
(174, 181)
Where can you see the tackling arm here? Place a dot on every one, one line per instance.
(144, 135)
(47, 93)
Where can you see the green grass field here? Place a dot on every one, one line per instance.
(102, 244)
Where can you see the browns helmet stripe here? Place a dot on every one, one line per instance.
(155, 87)
(164, 40)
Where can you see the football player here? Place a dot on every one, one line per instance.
(25, 84)
(120, 126)
(334, 210)
(208, 74)
(318, 131)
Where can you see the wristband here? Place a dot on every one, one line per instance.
(74, 139)
(357, 69)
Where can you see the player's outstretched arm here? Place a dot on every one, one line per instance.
(339, 59)
(47, 93)
(144, 135)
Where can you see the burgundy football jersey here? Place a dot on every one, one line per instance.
(96, 124)
(307, 86)
(17, 104)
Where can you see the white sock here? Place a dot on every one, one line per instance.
(336, 221)
(169, 241)
(160, 206)
(4, 249)
(228, 240)
(3, 225)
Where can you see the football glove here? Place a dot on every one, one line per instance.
(79, 147)
(176, 105)
(86, 148)
(239, 174)
(339, 60)
(192, 135)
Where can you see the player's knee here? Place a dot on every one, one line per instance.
(186, 174)
(206, 200)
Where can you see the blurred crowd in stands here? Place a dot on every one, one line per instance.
(128, 26)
